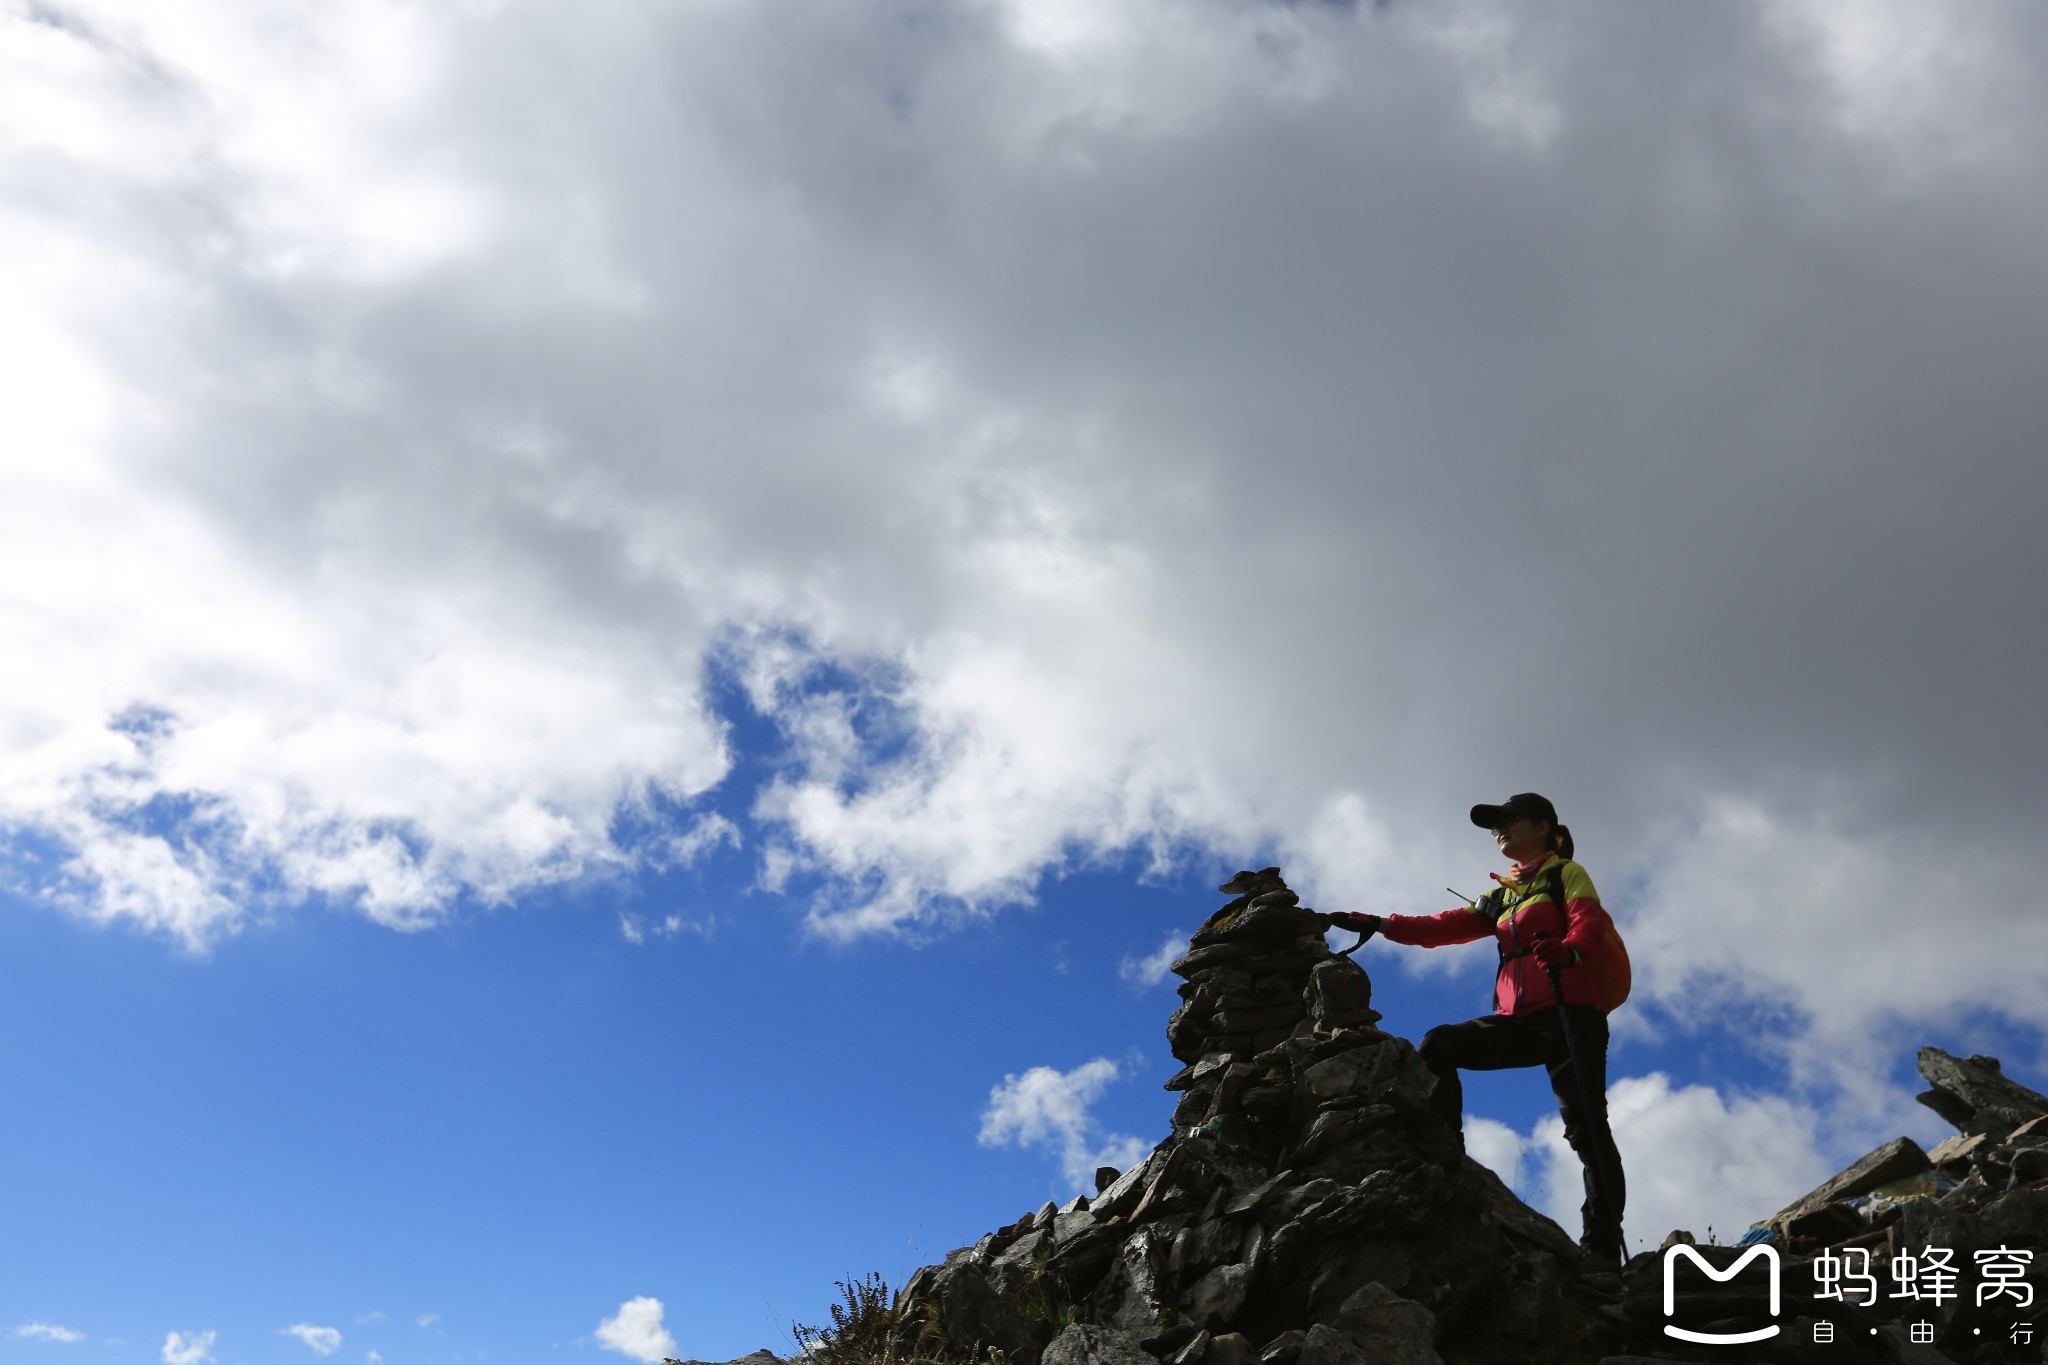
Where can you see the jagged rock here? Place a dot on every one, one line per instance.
(1899, 1157)
(1389, 1329)
(1123, 1193)
(1827, 1224)
(1246, 881)
(1230, 1348)
(1135, 1292)
(1204, 1245)
(1257, 923)
(1082, 1344)
(1975, 1096)
(1338, 986)
(1201, 959)
(1080, 1260)
(1207, 1067)
(1955, 1147)
(1283, 1349)
(1218, 1297)
(1309, 1199)
(1528, 1298)
(976, 1317)
(1325, 1345)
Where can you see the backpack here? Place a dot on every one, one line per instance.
(1604, 958)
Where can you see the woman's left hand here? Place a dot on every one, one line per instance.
(1554, 953)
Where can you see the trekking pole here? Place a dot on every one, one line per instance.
(1571, 1049)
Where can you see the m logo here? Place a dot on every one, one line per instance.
(1770, 1255)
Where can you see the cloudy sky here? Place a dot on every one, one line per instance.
(627, 631)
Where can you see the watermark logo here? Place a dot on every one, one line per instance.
(1671, 1254)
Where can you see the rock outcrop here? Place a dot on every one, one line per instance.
(1308, 1208)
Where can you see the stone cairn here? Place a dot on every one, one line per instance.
(1308, 1208)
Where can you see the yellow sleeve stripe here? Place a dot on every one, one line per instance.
(1577, 885)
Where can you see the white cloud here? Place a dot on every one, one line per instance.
(1747, 914)
(710, 832)
(636, 1331)
(1048, 1108)
(1045, 563)
(1150, 970)
(428, 1319)
(196, 1349)
(324, 1340)
(1495, 1146)
(372, 1358)
(634, 929)
(1692, 1158)
(48, 1331)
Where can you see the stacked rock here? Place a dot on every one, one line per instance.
(1308, 1208)
(1260, 982)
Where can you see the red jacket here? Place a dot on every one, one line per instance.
(1525, 909)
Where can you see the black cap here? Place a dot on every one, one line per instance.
(1520, 806)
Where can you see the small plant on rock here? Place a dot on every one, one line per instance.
(861, 1323)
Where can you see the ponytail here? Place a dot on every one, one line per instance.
(1561, 840)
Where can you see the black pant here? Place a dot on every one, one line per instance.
(1498, 1041)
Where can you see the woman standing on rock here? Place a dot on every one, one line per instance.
(1544, 917)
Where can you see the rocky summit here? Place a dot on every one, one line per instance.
(1308, 1208)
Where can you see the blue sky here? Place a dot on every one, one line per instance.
(625, 634)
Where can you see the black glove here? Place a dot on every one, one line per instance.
(1367, 925)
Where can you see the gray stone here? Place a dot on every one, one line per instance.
(1894, 1160)
(1258, 924)
(1025, 1249)
(1292, 1202)
(976, 1317)
(1284, 1348)
(1338, 986)
(1249, 882)
(1974, 1094)
(1325, 1345)
(1123, 1194)
(1208, 1066)
(1081, 1259)
(1251, 1019)
(2018, 1218)
(1334, 1127)
(1250, 1201)
(1527, 1299)
(1214, 954)
(1139, 1275)
(2028, 1165)
(1389, 1329)
(1081, 1344)
(1231, 1348)
(1368, 1071)
(1218, 1297)
(1203, 1245)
